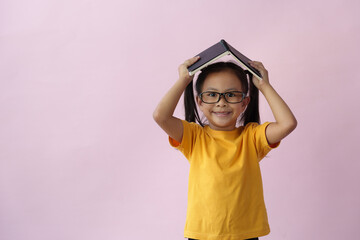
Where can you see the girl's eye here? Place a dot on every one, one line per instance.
(231, 94)
(211, 94)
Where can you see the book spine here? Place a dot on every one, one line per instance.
(224, 43)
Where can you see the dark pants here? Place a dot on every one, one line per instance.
(246, 239)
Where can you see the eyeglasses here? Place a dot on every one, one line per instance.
(214, 97)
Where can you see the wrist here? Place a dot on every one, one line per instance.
(264, 86)
(184, 81)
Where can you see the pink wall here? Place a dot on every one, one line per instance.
(81, 157)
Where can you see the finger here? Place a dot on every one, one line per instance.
(256, 63)
(256, 66)
(191, 61)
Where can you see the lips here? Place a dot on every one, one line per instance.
(222, 113)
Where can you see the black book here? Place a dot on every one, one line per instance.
(217, 51)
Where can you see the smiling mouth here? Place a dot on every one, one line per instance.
(222, 114)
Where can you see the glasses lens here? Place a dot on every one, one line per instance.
(210, 97)
(234, 97)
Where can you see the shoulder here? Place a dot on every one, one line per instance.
(254, 126)
(191, 124)
(191, 127)
(250, 126)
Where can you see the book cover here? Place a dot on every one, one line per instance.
(217, 51)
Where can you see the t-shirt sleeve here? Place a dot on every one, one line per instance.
(260, 140)
(190, 131)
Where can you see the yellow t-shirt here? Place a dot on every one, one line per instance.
(225, 196)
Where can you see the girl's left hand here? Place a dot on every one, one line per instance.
(264, 73)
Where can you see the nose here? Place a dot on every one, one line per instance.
(222, 101)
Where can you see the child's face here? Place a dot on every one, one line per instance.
(222, 115)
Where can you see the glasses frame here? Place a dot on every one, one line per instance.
(221, 94)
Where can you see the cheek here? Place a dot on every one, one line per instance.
(205, 107)
(240, 108)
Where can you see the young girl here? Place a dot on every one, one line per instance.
(225, 196)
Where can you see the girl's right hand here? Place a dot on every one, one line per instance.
(183, 69)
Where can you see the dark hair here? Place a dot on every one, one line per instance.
(251, 113)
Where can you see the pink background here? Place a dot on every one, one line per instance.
(82, 158)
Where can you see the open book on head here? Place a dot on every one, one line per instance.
(217, 51)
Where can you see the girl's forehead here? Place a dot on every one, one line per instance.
(222, 80)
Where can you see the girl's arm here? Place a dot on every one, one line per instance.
(163, 113)
(285, 121)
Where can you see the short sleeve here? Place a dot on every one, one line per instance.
(260, 140)
(190, 131)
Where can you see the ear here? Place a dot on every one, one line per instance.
(245, 102)
(199, 102)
